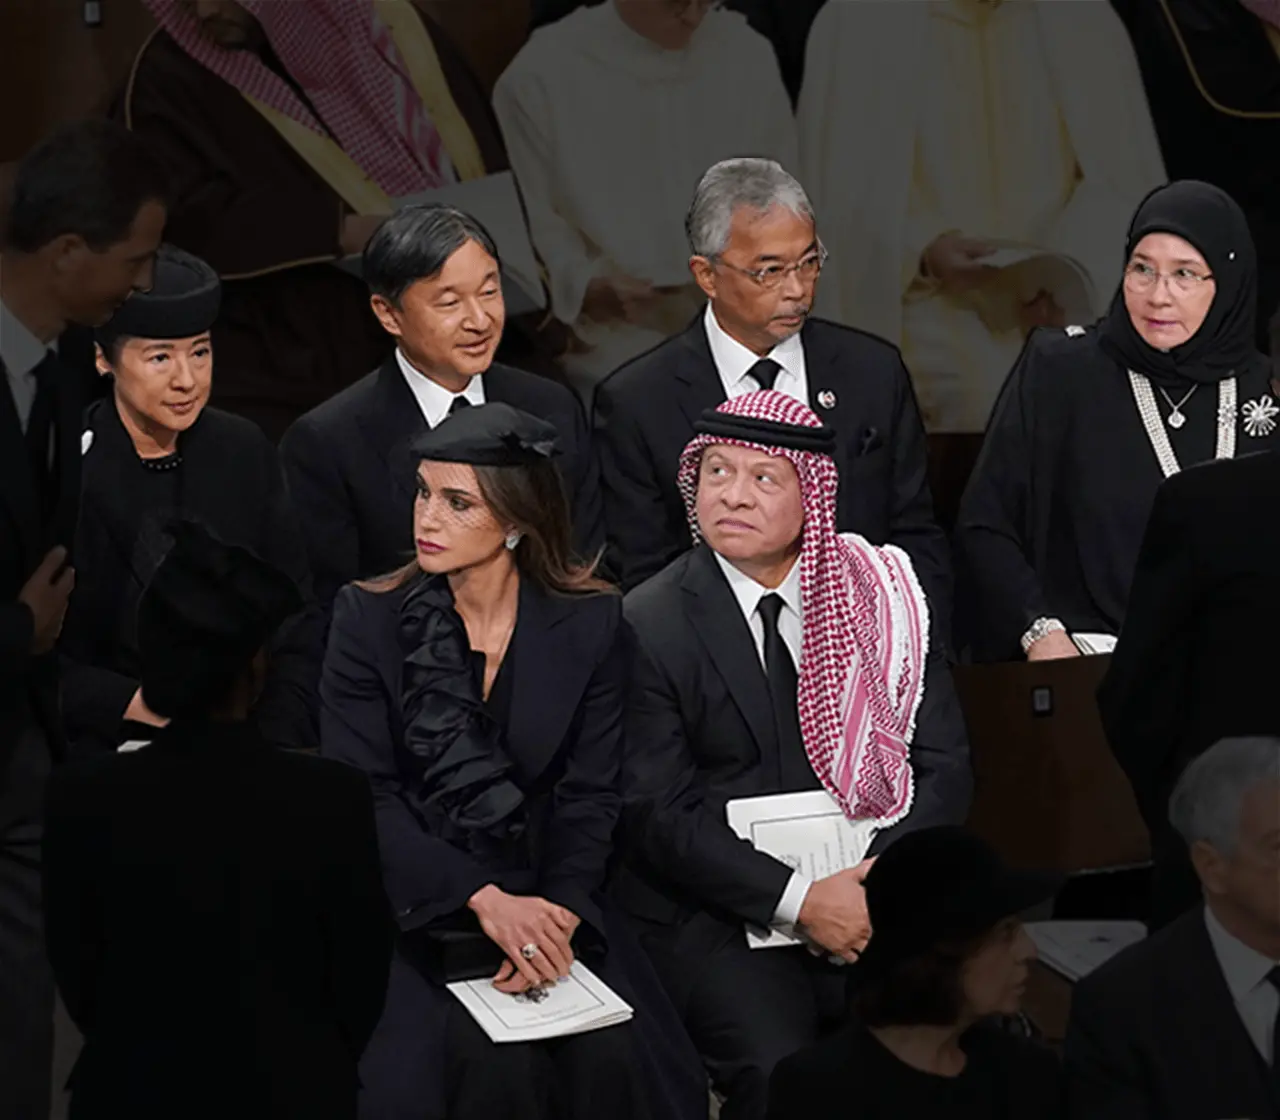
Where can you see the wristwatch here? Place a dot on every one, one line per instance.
(1041, 628)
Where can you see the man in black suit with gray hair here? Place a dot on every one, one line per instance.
(1183, 1026)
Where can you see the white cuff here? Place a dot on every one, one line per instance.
(786, 914)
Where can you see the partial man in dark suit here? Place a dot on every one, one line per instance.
(757, 257)
(1186, 1025)
(436, 287)
(85, 220)
(775, 657)
(1196, 660)
(224, 950)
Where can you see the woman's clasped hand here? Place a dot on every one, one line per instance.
(515, 922)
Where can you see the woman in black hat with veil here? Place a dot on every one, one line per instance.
(947, 960)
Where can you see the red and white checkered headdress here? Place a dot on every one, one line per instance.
(866, 623)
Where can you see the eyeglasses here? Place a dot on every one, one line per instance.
(772, 276)
(1140, 277)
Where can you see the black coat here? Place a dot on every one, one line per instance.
(644, 417)
(217, 924)
(700, 732)
(1005, 1078)
(352, 477)
(563, 734)
(28, 685)
(1053, 515)
(1196, 660)
(230, 479)
(1155, 1035)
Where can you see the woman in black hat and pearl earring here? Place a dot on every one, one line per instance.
(150, 451)
(947, 960)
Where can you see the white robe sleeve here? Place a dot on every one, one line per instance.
(522, 107)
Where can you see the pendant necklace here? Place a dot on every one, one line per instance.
(1149, 411)
(1175, 418)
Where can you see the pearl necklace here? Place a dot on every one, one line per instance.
(1159, 437)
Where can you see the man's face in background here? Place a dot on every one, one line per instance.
(227, 24)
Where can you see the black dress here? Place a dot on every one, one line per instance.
(223, 473)
(402, 700)
(852, 1074)
(1053, 517)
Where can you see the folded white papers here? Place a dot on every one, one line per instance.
(132, 745)
(1093, 644)
(580, 1003)
(808, 832)
(1075, 949)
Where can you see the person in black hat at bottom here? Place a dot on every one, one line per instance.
(151, 451)
(480, 687)
(215, 915)
(947, 960)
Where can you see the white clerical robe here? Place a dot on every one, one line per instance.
(1021, 121)
(608, 135)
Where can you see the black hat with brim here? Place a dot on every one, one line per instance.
(489, 435)
(942, 886)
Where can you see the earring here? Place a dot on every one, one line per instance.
(513, 539)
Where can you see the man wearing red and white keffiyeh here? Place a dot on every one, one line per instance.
(853, 699)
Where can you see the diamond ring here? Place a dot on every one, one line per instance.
(529, 951)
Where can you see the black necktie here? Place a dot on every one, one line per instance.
(765, 371)
(40, 431)
(458, 404)
(793, 764)
(1274, 978)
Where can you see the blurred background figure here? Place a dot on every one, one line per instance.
(947, 962)
(152, 451)
(214, 907)
(611, 116)
(1186, 1024)
(933, 134)
(1212, 73)
(1091, 421)
(288, 128)
(85, 219)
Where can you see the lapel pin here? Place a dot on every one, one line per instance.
(86, 441)
(827, 399)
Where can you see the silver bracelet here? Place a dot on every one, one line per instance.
(1041, 628)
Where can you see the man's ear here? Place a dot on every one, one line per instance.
(65, 252)
(100, 360)
(388, 315)
(704, 275)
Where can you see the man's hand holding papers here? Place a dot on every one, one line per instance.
(834, 912)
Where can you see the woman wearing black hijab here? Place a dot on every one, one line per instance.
(1092, 420)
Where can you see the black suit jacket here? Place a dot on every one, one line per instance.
(1155, 1035)
(217, 925)
(28, 685)
(563, 734)
(351, 475)
(700, 731)
(644, 417)
(1195, 661)
(230, 480)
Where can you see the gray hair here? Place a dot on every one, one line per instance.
(1207, 801)
(758, 184)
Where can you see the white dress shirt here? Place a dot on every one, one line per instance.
(733, 360)
(791, 628)
(1245, 971)
(21, 352)
(433, 399)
